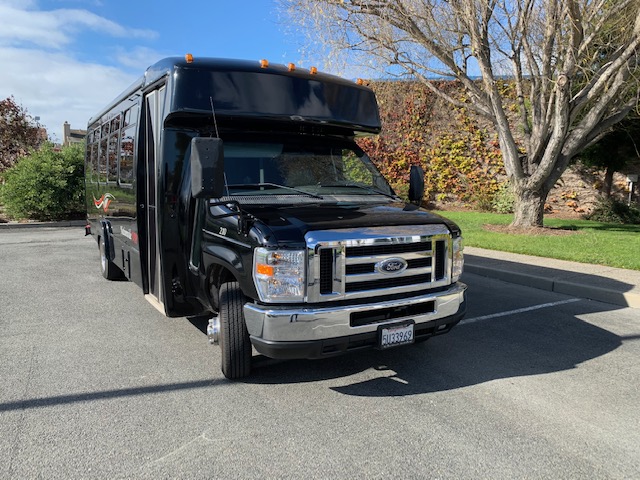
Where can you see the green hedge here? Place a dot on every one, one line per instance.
(614, 211)
(48, 184)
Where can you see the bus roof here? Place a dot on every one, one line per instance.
(249, 89)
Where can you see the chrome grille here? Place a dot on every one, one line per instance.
(347, 264)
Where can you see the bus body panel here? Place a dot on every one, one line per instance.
(111, 184)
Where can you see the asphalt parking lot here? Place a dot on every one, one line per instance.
(95, 383)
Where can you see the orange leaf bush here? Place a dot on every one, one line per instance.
(459, 153)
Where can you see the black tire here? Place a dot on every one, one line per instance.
(109, 270)
(235, 346)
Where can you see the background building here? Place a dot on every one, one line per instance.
(70, 135)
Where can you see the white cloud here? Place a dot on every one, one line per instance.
(56, 28)
(101, 24)
(41, 72)
(138, 58)
(19, 3)
(58, 88)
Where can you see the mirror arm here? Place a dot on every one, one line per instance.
(416, 185)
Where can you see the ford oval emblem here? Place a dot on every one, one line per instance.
(391, 265)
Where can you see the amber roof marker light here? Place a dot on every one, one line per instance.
(264, 63)
(189, 58)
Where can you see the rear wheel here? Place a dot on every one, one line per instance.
(235, 345)
(109, 270)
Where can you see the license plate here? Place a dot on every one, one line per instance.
(395, 335)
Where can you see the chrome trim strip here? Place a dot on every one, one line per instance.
(227, 239)
(338, 271)
(374, 276)
(368, 236)
(378, 258)
(392, 290)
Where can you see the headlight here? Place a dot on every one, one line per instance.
(279, 275)
(458, 259)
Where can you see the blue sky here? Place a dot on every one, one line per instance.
(63, 60)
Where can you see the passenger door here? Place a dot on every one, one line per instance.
(154, 105)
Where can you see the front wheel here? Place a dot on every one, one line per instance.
(235, 345)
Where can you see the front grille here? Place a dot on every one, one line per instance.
(351, 264)
(326, 271)
(387, 283)
(392, 249)
(370, 267)
(440, 254)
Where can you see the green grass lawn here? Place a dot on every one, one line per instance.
(589, 242)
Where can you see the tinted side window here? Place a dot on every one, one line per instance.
(102, 160)
(127, 143)
(112, 170)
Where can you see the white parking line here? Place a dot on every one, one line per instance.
(519, 310)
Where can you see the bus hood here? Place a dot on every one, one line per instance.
(290, 224)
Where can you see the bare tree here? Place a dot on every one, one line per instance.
(574, 64)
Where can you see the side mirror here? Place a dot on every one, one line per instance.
(207, 168)
(416, 185)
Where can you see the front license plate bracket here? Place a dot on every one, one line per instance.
(396, 334)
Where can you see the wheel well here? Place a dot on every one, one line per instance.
(103, 233)
(216, 277)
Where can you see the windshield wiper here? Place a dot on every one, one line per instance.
(274, 185)
(361, 187)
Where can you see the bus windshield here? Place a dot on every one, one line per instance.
(317, 170)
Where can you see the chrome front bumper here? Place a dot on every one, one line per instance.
(272, 326)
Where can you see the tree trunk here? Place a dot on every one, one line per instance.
(608, 181)
(529, 208)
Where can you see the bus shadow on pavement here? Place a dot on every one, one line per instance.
(516, 346)
(42, 402)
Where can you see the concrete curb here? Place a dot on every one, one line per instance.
(63, 224)
(623, 299)
(593, 286)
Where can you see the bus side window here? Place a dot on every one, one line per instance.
(102, 161)
(112, 170)
(125, 157)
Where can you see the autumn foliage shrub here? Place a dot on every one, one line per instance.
(460, 154)
(19, 132)
(504, 199)
(406, 110)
